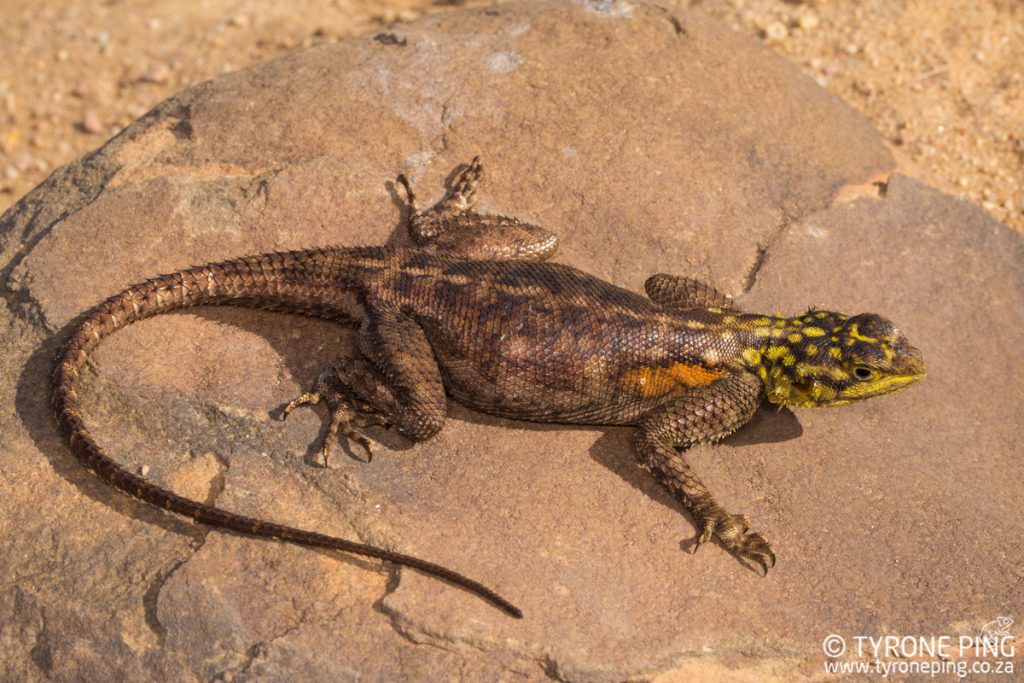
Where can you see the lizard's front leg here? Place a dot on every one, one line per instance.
(685, 293)
(453, 225)
(396, 383)
(704, 415)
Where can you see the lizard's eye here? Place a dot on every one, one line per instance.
(862, 373)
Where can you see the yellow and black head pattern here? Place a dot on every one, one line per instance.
(828, 359)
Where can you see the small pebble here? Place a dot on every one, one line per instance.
(143, 470)
(863, 87)
(776, 32)
(158, 73)
(9, 140)
(808, 21)
(81, 91)
(23, 162)
(91, 123)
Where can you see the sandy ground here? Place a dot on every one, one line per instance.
(942, 80)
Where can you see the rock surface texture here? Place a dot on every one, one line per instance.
(649, 142)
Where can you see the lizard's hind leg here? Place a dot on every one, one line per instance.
(342, 387)
(396, 383)
(452, 225)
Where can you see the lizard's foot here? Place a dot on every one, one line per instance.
(734, 533)
(460, 200)
(463, 195)
(349, 413)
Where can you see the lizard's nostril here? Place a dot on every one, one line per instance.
(913, 362)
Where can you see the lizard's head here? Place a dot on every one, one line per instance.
(829, 359)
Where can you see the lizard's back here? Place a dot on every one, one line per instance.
(537, 340)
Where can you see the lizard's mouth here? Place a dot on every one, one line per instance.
(880, 387)
(907, 368)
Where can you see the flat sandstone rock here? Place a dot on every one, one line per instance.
(649, 142)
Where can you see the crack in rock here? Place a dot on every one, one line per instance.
(152, 594)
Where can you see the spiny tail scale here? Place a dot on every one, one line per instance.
(267, 281)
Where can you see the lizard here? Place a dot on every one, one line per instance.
(474, 311)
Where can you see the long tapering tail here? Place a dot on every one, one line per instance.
(289, 280)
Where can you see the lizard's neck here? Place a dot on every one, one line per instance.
(789, 354)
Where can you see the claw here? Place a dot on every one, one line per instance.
(309, 398)
(733, 532)
(759, 551)
(706, 535)
(341, 420)
(463, 193)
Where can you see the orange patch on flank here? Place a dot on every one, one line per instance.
(675, 378)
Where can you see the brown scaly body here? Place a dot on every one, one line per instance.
(474, 313)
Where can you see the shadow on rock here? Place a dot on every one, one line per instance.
(614, 450)
(32, 403)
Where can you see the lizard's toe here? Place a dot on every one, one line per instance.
(345, 419)
(706, 534)
(341, 421)
(757, 550)
(747, 545)
(366, 418)
(309, 398)
(733, 531)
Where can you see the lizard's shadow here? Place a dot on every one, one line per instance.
(614, 450)
(33, 406)
(32, 403)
